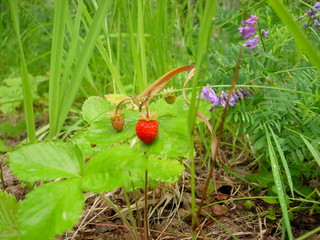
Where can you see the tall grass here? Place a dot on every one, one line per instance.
(26, 87)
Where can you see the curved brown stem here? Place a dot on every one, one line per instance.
(119, 104)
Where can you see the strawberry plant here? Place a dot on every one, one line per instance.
(116, 159)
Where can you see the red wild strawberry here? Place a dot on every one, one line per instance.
(117, 122)
(147, 130)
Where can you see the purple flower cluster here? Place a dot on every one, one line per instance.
(312, 16)
(221, 99)
(249, 31)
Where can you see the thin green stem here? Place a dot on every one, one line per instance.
(123, 218)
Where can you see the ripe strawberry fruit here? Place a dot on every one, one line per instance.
(117, 122)
(147, 130)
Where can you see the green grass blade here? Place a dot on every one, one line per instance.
(284, 161)
(314, 152)
(107, 58)
(72, 52)
(134, 51)
(144, 80)
(296, 31)
(26, 87)
(58, 35)
(278, 184)
(204, 35)
(84, 58)
(309, 234)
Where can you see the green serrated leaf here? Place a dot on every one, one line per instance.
(110, 169)
(80, 139)
(172, 140)
(46, 161)
(8, 210)
(173, 137)
(50, 210)
(165, 170)
(95, 109)
(102, 132)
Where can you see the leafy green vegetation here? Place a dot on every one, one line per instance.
(244, 111)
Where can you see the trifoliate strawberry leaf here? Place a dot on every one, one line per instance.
(50, 209)
(46, 161)
(8, 210)
(96, 108)
(102, 132)
(113, 168)
(173, 139)
(165, 170)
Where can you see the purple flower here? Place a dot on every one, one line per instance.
(234, 94)
(251, 44)
(247, 32)
(222, 100)
(233, 100)
(317, 6)
(208, 94)
(239, 94)
(224, 97)
(246, 92)
(251, 20)
(311, 12)
(264, 33)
